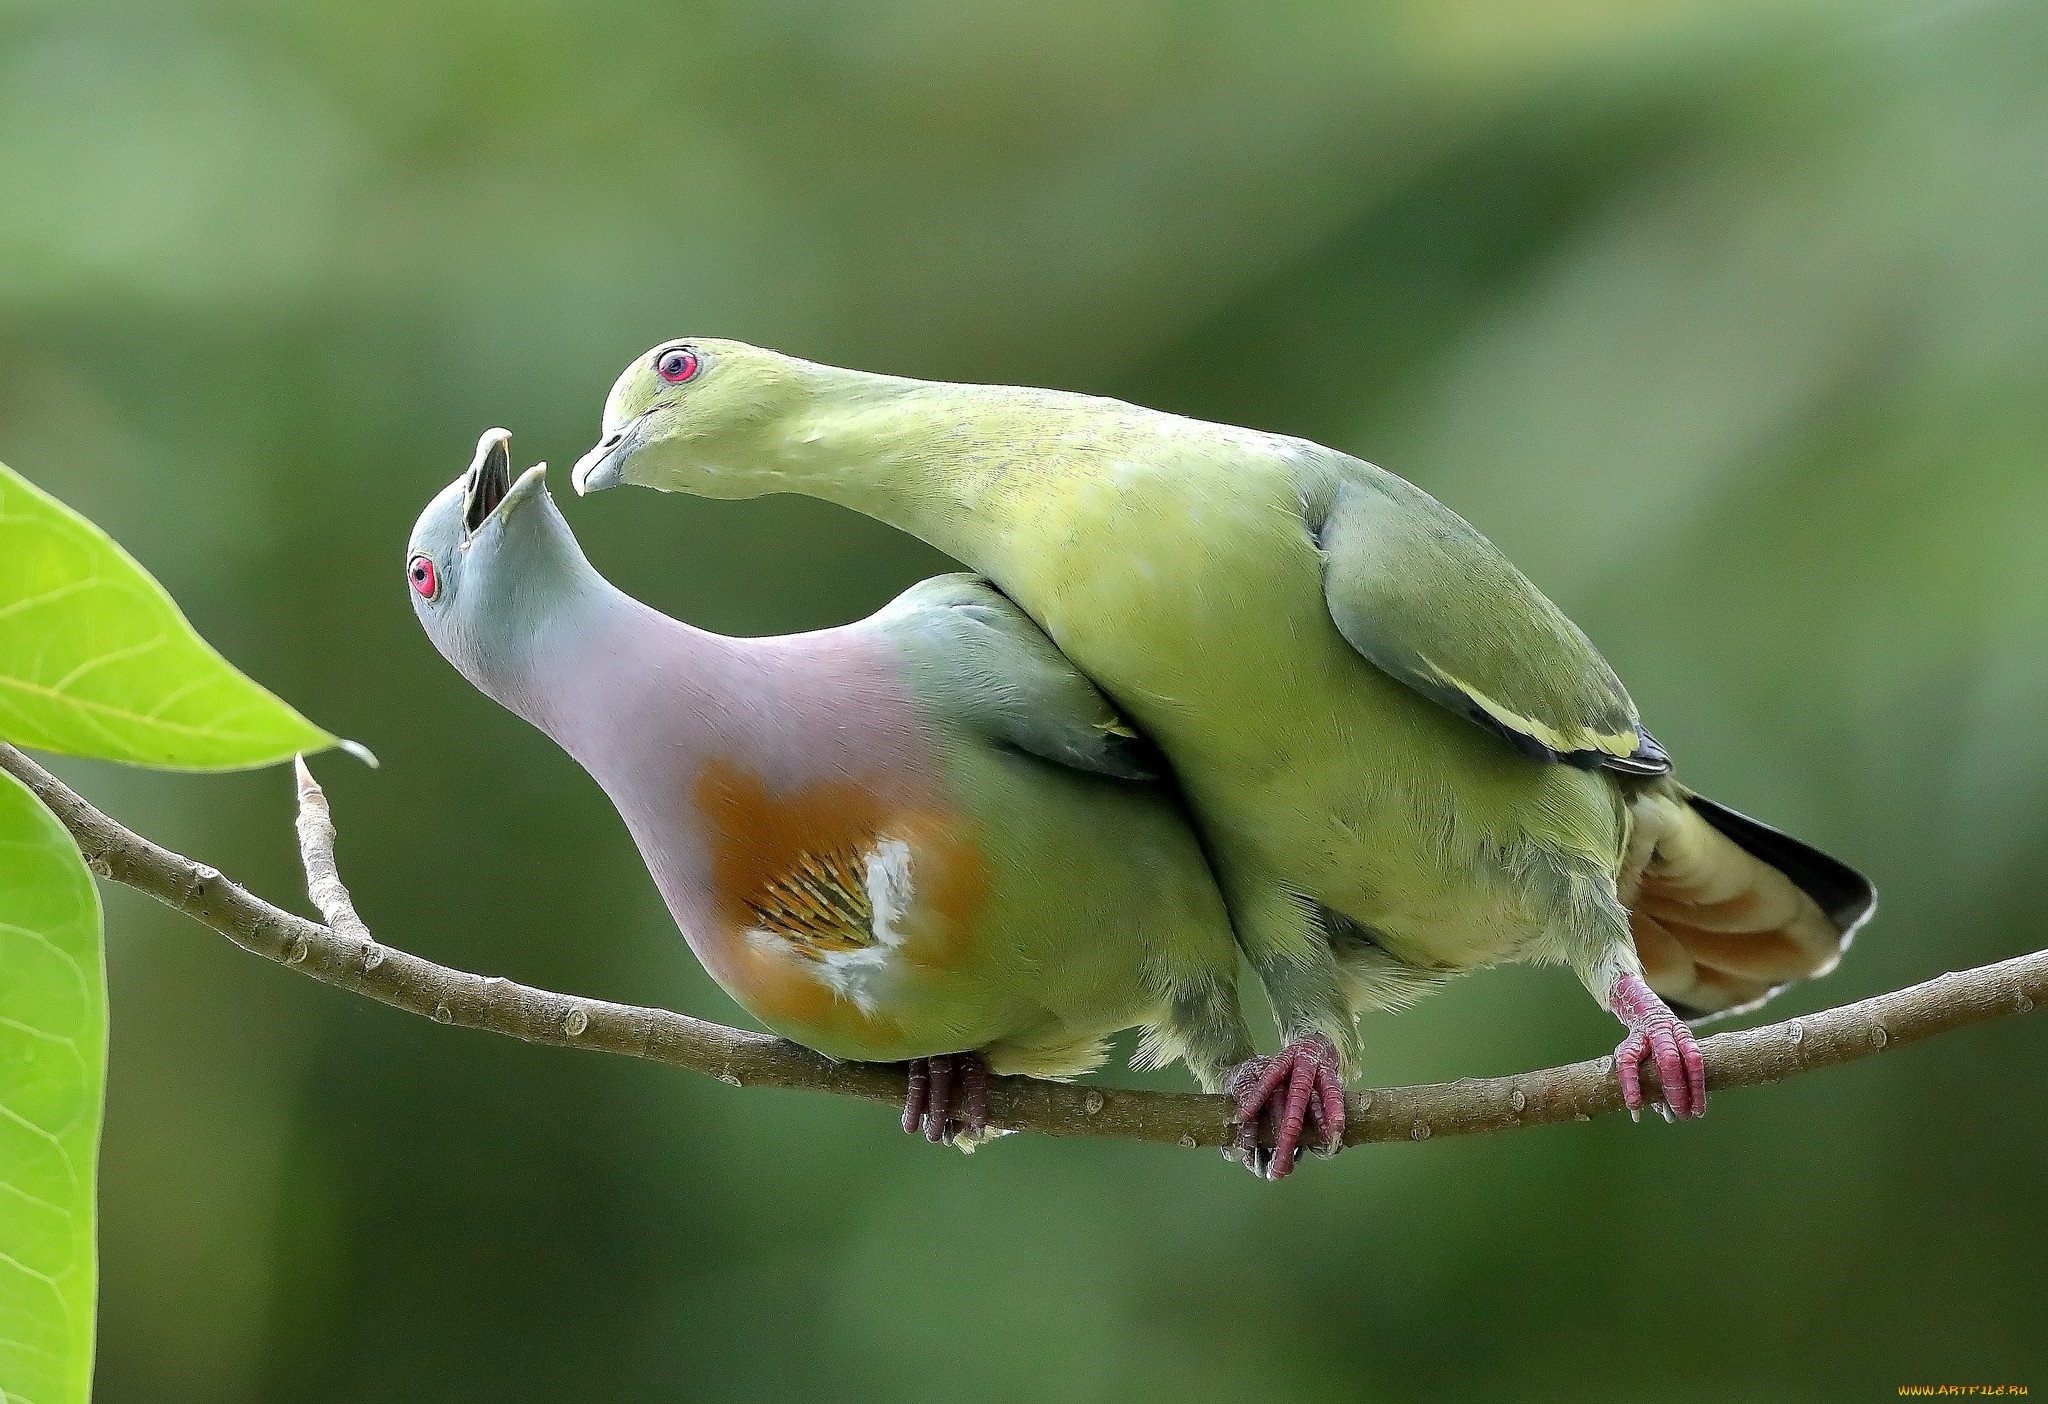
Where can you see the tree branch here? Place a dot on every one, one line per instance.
(345, 954)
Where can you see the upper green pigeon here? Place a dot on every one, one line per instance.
(1405, 761)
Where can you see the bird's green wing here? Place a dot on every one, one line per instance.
(982, 663)
(1434, 604)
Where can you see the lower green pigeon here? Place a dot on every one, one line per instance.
(1404, 760)
(921, 838)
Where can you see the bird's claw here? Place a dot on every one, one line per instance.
(1300, 1087)
(1659, 1040)
(946, 1098)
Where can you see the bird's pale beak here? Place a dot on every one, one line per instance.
(532, 483)
(489, 491)
(600, 468)
(489, 478)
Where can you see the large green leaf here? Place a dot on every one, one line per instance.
(53, 1069)
(96, 660)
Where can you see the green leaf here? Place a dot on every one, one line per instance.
(53, 1070)
(96, 660)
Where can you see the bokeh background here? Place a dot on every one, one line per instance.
(1728, 321)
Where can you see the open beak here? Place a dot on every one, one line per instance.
(490, 478)
(488, 489)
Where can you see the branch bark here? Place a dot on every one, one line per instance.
(345, 954)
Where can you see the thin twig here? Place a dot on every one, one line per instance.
(344, 953)
(316, 853)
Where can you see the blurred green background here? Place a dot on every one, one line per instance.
(1728, 321)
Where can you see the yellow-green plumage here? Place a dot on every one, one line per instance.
(1406, 762)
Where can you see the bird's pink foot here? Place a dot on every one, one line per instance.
(947, 1098)
(1299, 1088)
(1657, 1039)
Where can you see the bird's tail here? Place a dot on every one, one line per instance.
(1727, 911)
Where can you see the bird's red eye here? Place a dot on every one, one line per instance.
(676, 365)
(420, 571)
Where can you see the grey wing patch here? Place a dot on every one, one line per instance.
(984, 663)
(1433, 604)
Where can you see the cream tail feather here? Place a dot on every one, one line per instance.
(1726, 910)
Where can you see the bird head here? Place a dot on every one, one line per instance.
(491, 565)
(698, 415)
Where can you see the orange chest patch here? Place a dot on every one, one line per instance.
(825, 870)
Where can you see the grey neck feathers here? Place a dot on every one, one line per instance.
(615, 683)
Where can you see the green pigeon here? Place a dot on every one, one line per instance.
(922, 838)
(1404, 760)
